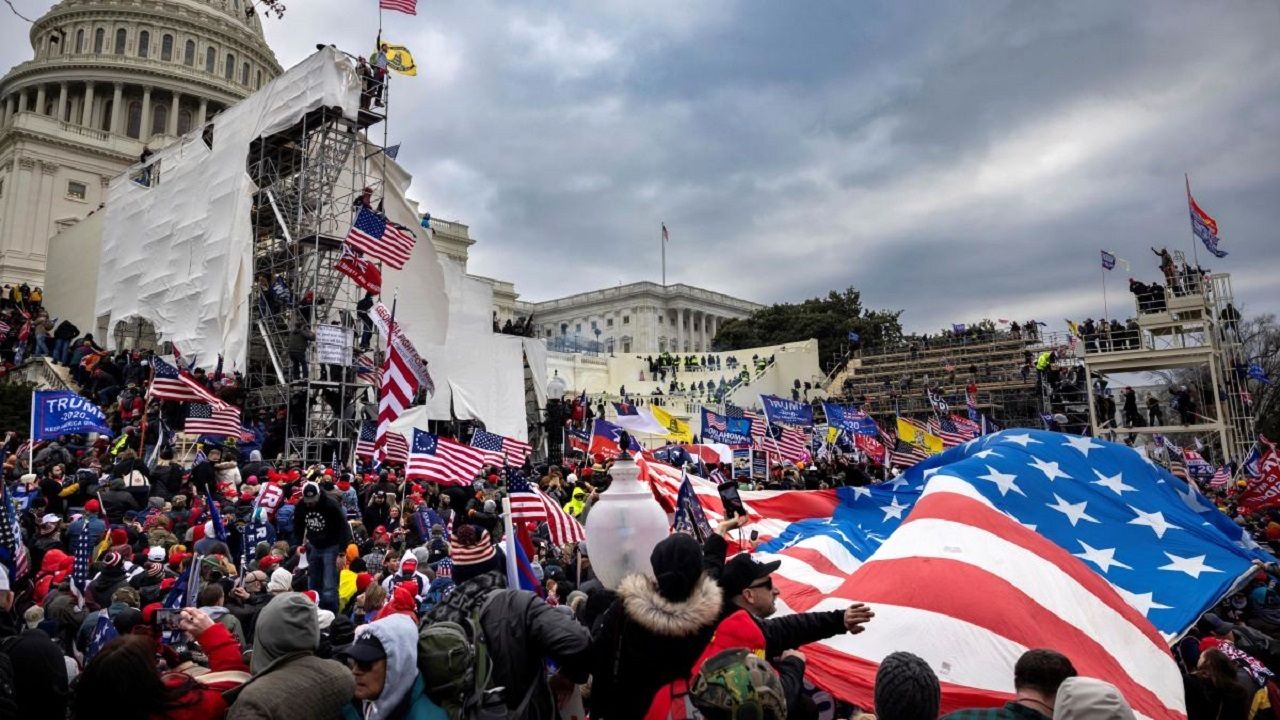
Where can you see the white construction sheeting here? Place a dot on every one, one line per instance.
(178, 253)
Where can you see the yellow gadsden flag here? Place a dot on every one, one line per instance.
(400, 60)
(677, 430)
(916, 435)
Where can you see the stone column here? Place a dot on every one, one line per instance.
(22, 100)
(117, 109)
(46, 192)
(144, 133)
(679, 333)
(204, 106)
(62, 101)
(173, 114)
(24, 197)
(40, 97)
(86, 110)
(9, 108)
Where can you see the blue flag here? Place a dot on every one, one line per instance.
(183, 594)
(1167, 551)
(730, 431)
(689, 516)
(103, 632)
(524, 571)
(1257, 373)
(62, 412)
(850, 419)
(786, 412)
(853, 337)
(219, 529)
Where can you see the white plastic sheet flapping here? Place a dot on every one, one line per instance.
(178, 253)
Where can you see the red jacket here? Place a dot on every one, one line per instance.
(226, 670)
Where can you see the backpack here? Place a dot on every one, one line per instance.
(454, 662)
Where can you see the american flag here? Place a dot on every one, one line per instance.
(530, 504)
(1220, 478)
(82, 554)
(501, 450)
(946, 429)
(377, 237)
(1106, 566)
(203, 419)
(408, 7)
(397, 449)
(364, 442)
(16, 557)
(442, 460)
(367, 370)
(967, 426)
(903, 454)
(4, 328)
(170, 383)
(399, 385)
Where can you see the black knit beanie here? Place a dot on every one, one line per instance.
(906, 689)
(677, 566)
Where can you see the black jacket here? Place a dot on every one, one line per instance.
(325, 524)
(644, 641)
(521, 631)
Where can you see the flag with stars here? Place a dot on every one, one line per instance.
(500, 450)
(1163, 548)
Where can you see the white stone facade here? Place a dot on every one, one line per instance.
(109, 78)
(642, 317)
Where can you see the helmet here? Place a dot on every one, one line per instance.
(738, 685)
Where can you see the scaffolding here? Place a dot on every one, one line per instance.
(310, 178)
(1182, 325)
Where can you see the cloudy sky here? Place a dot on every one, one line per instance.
(956, 160)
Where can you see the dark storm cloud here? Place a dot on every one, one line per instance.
(957, 160)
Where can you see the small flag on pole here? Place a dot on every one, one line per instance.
(408, 7)
(392, 152)
(1202, 225)
(1108, 261)
(665, 236)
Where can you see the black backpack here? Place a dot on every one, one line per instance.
(8, 687)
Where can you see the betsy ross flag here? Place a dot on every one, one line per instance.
(1202, 225)
(501, 450)
(365, 274)
(170, 383)
(442, 460)
(408, 7)
(203, 419)
(377, 237)
(529, 504)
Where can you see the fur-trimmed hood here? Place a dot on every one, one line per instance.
(643, 604)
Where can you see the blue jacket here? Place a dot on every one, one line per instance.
(417, 706)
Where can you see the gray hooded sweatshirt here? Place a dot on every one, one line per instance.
(399, 637)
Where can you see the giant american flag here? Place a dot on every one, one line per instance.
(442, 460)
(530, 504)
(501, 450)
(1032, 535)
(170, 383)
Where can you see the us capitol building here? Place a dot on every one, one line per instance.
(110, 78)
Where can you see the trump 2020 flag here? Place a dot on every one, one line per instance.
(62, 412)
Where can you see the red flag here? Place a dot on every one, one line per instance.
(364, 273)
(1263, 491)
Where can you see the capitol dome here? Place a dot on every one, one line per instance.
(108, 78)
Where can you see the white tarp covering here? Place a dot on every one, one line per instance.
(178, 253)
(478, 374)
(535, 352)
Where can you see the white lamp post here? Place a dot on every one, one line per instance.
(625, 524)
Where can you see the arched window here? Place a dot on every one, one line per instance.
(144, 44)
(189, 53)
(210, 56)
(99, 39)
(79, 41)
(166, 48)
(133, 128)
(121, 36)
(159, 118)
(184, 122)
(244, 74)
(229, 72)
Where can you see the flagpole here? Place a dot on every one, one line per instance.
(663, 241)
(1195, 253)
(31, 439)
